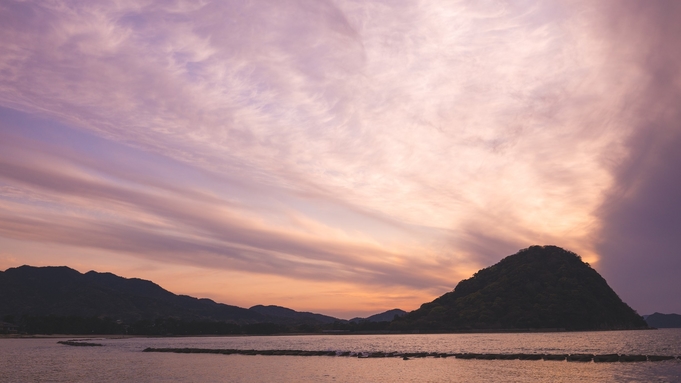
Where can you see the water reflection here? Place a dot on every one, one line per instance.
(39, 360)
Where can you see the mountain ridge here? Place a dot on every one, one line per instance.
(541, 287)
(295, 316)
(385, 316)
(659, 320)
(62, 291)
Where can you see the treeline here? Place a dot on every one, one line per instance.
(75, 325)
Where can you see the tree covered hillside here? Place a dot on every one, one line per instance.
(541, 287)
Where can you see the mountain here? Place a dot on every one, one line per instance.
(658, 320)
(283, 313)
(541, 287)
(61, 291)
(385, 316)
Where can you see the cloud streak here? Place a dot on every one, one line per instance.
(183, 225)
(380, 144)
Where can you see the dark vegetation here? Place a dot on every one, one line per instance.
(61, 291)
(60, 300)
(541, 287)
(75, 325)
(292, 316)
(381, 317)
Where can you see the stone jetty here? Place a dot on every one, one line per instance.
(603, 358)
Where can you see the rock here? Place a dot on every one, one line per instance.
(487, 356)
(633, 358)
(509, 356)
(609, 358)
(466, 356)
(555, 356)
(580, 357)
(531, 356)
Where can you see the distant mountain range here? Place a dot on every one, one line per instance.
(283, 314)
(540, 288)
(658, 320)
(62, 291)
(382, 317)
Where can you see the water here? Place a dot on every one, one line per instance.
(43, 360)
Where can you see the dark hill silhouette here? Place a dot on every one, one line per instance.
(385, 316)
(295, 316)
(61, 291)
(541, 287)
(659, 320)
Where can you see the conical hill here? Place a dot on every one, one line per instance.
(541, 287)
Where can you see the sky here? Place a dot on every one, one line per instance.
(341, 156)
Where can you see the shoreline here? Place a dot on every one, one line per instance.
(128, 336)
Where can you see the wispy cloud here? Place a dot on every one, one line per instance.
(109, 209)
(376, 143)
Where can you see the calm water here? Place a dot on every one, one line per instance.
(120, 360)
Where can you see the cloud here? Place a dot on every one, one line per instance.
(123, 211)
(639, 241)
(385, 143)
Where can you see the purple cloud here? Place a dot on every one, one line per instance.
(642, 217)
(365, 143)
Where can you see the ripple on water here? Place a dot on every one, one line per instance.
(122, 359)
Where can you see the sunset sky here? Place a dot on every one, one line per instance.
(341, 156)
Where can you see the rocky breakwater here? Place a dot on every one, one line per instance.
(602, 358)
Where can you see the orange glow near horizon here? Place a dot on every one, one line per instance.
(367, 158)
